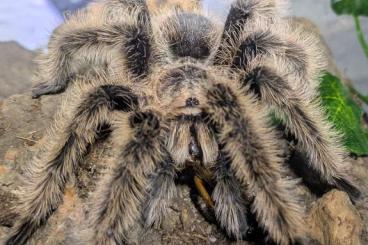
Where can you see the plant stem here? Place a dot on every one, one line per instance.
(358, 94)
(360, 34)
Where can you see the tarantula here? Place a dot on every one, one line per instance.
(178, 89)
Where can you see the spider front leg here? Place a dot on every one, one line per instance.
(143, 166)
(254, 31)
(306, 121)
(131, 36)
(241, 14)
(254, 154)
(228, 195)
(162, 191)
(66, 148)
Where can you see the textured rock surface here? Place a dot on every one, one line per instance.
(23, 121)
(335, 215)
(17, 68)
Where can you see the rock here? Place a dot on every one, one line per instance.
(170, 221)
(3, 169)
(333, 219)
(185, 219)
(16, 69)
(10, 156)
(212, 239)
(7, 202)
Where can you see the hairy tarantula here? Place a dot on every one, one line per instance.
(178, 89)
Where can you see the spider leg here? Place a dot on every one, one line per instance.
(230, 206)
(251, 146)
(86, 37)
(307, 123)
(259, 43)
(120, 200)
(162, 191)
(243, 12)
(297, 51)
(45, 88)
(69, 143)
(289, 86)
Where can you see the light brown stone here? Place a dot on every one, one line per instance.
(3, 170)
(10, 156)
(17, 67)
(333, 220)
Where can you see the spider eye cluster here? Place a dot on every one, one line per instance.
(191, 102)
(182, 87)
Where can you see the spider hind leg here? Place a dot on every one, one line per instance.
(50, 172)
(132, 190)
(89, 36)
(230, 205)
(256, 161)
(162, 191)
(307, 123)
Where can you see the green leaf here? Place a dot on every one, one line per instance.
(345, 114)
(355, 8)
(350, 7)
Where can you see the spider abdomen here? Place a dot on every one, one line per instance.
(189, 35)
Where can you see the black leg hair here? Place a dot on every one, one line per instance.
(50, 172)
(296, 51)
(120, 199)
(230, 206)
(133, 37)
(258, 43)
(162, 191)
(256, 161)
(311, 178)
(255, 44)
(307, 123)
(241, 13)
